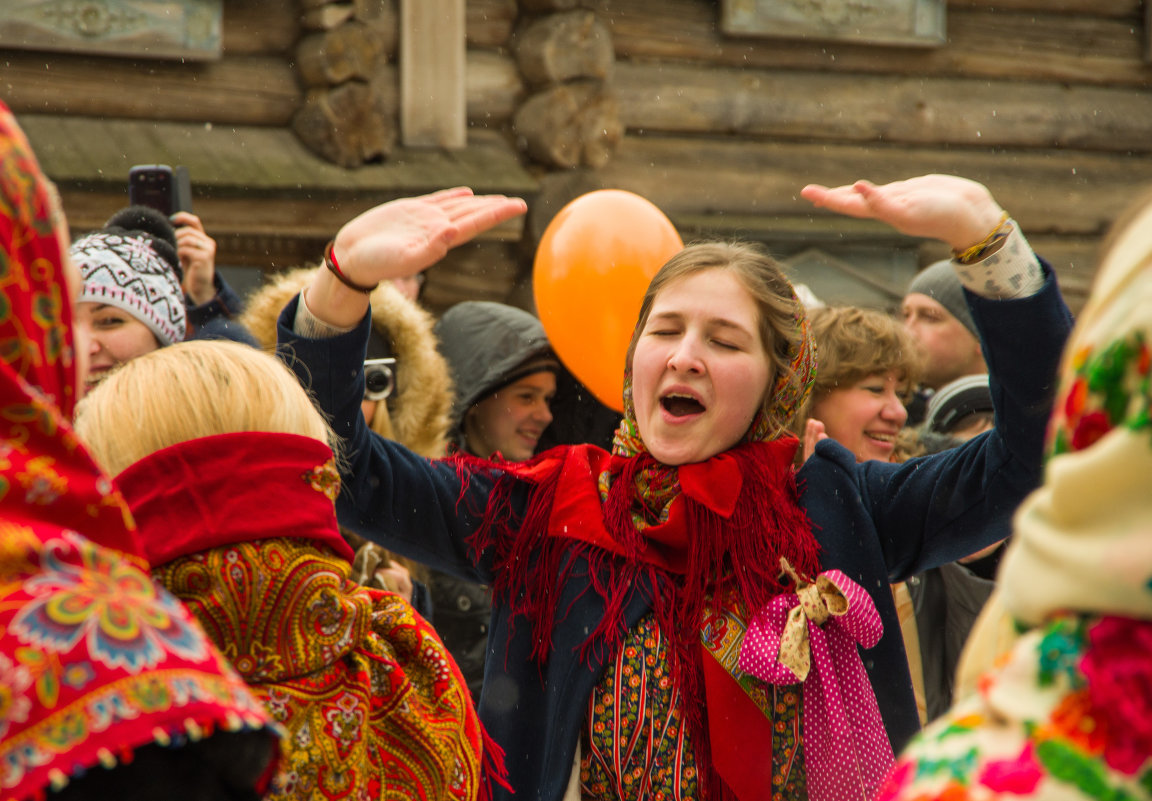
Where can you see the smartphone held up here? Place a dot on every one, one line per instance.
(160, 187)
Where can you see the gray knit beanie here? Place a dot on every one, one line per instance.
(939, 282)
(488, 346)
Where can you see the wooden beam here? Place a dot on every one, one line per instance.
(491, 22)
(919, 110)
(1103, 8)
(258, 26)
(241, 90)
(432, 83)
(1093, 48)
(1049, 191)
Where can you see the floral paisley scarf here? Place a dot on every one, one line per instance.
(374, 705)
(707, 538)
(95, 659)
(1067, 714)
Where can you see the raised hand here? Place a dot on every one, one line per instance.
(945, 207)
(197, 252)
(404, 237)
(400, 238)
(813, 432)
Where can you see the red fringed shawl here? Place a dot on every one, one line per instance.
(730, 521)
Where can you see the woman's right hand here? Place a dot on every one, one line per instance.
(401, 238)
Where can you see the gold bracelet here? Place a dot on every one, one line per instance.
(997, 234)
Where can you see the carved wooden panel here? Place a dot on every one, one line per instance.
(892, 22)
(165, 29)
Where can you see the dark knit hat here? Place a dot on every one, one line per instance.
(939, 282)
(489, 346)
(131, 264)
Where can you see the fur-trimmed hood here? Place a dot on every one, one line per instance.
(417, 415)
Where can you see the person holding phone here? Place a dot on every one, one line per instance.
(210, 302)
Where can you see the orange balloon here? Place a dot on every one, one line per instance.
(589, 276)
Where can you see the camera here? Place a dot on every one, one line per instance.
(160, 187)
(379, 380)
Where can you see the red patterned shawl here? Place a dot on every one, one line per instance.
(95, 659)
(374, 704)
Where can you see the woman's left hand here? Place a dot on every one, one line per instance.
(954, 210)
(813, 433)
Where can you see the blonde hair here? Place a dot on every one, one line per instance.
(855, 343)
(191, 390)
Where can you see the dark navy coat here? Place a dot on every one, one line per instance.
(878, 522)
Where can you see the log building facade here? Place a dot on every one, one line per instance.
(307, 112)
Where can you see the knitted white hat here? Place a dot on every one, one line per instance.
(123, 270)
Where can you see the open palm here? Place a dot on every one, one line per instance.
(405, 236)
(946, 207)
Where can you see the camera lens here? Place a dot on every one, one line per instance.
(379, 381)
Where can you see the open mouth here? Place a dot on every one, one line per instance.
(884, 439)
(681, 405)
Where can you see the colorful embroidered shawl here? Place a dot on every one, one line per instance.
(1068, 713)
(95, 659)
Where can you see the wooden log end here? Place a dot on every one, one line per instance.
(571, 125)
(565, 46)
(383, 17)
(325, 18)
(351, 51)
(347, 125)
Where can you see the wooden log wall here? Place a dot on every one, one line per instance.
(1049, 102)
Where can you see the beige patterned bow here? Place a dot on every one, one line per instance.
(818, 600)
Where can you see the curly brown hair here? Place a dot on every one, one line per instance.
(855, 343)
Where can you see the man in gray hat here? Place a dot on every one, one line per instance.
(936, 313)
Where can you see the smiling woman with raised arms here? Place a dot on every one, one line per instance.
(642, 596)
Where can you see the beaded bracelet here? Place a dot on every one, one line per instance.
(977, 251)
(334, 268)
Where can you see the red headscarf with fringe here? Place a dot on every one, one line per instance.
(95, 659)
(702, 535)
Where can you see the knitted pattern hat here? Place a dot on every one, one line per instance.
(134, 271)
(939, 282)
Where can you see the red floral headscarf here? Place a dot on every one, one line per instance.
(95, 659)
